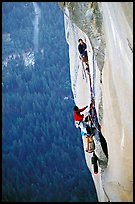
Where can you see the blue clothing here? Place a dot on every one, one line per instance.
(82, 51)
(83, 133)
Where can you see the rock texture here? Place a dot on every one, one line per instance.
(107, 29)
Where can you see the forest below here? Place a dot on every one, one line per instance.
(42, 153)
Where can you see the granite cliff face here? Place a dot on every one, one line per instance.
(107, 29)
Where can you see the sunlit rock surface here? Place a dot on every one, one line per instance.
(107, 29)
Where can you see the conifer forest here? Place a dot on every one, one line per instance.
(42, 153)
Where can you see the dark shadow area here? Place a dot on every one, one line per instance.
(103, 144)
(102, 140)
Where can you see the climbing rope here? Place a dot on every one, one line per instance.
(95, 122)
(91, 90)
(84, 76)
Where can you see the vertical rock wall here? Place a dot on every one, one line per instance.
(118, 100)
(107, 29)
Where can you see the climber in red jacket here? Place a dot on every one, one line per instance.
(77, 115)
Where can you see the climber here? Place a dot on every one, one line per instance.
(77, 116)
(84, 123)
(87, 134)
(82, 47)
(89, 139)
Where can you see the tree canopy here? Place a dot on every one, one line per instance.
(42, 153)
